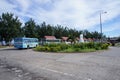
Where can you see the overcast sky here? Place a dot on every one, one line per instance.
(78, 14)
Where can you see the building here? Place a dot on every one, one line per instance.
(49, 39)
(64, 39)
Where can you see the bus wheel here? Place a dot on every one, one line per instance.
(28, 47)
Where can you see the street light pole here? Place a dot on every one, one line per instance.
(100, 28)
(101, 25)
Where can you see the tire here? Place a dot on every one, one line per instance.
(28, 47)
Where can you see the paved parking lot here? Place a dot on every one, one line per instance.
(101, 65)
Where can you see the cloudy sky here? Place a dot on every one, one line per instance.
(78, 14)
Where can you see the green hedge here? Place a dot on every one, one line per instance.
(79, 47)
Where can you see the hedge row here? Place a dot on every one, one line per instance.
(80, 47)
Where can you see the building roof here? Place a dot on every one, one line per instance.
(90, 39)
(50, 37)
(64, 38)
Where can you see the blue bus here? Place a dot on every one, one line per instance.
(24, 42)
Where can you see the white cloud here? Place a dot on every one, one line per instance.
(80, 14)
(77, 13)
(6, 7)
(24, 4)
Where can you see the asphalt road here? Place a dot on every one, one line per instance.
(102, 65)
(8, 72)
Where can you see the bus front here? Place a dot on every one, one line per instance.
(18, 43)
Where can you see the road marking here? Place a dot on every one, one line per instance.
(67, 74)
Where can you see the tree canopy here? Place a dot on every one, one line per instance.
(30, 29)
(10, 27)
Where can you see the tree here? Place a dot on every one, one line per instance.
(96, 35)
(10, 26)
(30, 29)
(43, 30)
(87, 34)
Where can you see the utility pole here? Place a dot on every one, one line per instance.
(101, 24)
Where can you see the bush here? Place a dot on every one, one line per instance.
(41, 48)
(80, 47)
(77, 45)
(55, 49)
(64, 46)
(87, 50)
(90, 45)
(37, 48)
(48, 49)
(97, 46)
(51, 45)
(69, 50)
(77, 49)
(84, 45)
(104, 46)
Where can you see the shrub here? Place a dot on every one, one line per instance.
(37, 48)
(69, 50)
(40, 48)
(82, 45)
(104, 46)
(51, 45)
(87, 50)
(97, 46)
(64, 46)
(79, 47)
(48, 49)
(90, 45)
(55, 49)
